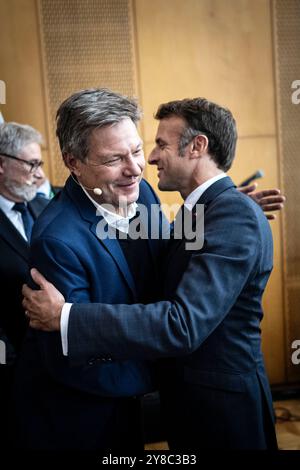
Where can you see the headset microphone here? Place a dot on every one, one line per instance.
(96, 191)
(29, 183)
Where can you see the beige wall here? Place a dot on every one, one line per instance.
(21, 66)
(219, 49)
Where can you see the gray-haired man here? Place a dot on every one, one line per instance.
(95, 406)
(20, 163)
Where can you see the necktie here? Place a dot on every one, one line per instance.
(26, 217)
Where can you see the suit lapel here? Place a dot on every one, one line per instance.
(112, 245)
(88, 212)
(206, 198)
(11, 235)
(214, 190)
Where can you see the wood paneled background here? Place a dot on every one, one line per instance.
(228, 51)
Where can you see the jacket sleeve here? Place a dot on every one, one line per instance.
(60, 265)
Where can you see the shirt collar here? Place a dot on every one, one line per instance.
(114, 220)
(195, 195)
(5, 204)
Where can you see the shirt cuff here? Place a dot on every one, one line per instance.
(64, 323)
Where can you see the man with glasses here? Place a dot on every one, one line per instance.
(20, 163)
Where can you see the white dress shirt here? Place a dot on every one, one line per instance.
(114, 220)
(195, 195)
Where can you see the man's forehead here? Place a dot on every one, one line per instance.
(171, 126)
(31, 151)
(115, 132)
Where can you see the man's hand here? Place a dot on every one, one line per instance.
(268, 199)
(43, 307)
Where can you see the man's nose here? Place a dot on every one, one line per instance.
(134, 166)
(38, 173)
(153, 157)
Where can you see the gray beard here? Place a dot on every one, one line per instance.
(25, 192)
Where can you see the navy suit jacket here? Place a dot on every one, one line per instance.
(215, 392)
(14, 253)
(66, 249)
(14, 256)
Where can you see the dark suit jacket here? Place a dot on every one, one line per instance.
(77, 402)
(215, 392)
(14, 256)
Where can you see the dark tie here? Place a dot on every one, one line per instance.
(26, 217)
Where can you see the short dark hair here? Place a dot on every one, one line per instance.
(208, 118)
(87, 110)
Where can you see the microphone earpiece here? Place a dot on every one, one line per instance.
(29, 183)
(97, 191)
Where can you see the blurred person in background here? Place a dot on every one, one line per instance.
(20, 171)
(45, 188)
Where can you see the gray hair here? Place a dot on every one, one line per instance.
(14, 137)
(87, 110)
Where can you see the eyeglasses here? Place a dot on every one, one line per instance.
(33, 165)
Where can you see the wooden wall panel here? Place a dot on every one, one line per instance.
(218, 49)
(85, 44)
(287, 60)
(20, 66)
(20, 63)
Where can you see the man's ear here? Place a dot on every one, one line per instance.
(199, 146)
(72, 163)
